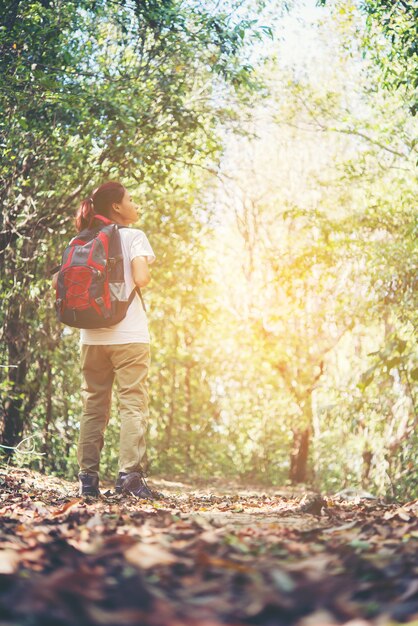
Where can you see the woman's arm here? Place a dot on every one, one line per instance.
(55, 280)
(140, 271)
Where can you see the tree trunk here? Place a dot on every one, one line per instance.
(299, 455)
(300, 449)
(12, 404)
(367, 464)
(16, 340)
(188, 399)
(170, 423)
(48, 413)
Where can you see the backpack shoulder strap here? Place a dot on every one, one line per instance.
(137, 289)
(54, 270)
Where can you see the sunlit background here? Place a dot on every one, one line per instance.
(279, 194)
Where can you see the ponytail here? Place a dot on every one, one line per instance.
(99, 203)
(85, 214)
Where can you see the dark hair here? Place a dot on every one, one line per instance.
(99, 203)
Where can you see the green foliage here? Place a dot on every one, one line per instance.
(94, 90)
(323, 234)
(398, 59)
(391, 40)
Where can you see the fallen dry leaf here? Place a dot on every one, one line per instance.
(147, 555)
(236, 558)
(67, 506)
(9, 561)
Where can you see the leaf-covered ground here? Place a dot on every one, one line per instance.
(203, 557)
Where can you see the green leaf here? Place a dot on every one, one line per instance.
(359, 544)
(414, 373)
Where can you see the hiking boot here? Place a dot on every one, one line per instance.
(119, 480)
(134, 483)
(88, 485)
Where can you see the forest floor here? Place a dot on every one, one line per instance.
(207, 556)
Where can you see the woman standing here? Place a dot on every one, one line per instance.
(120, 352)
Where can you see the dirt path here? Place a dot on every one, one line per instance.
(202, 557)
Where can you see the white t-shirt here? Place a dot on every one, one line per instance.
(134, 326)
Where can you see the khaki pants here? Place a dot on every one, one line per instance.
(101, 364)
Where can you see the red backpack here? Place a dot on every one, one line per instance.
(91, 290)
